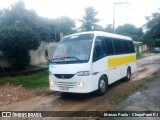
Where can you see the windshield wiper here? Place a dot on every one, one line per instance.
(63, 58)
(57, 58)
(72, 57)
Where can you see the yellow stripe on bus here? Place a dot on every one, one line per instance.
(114, 62)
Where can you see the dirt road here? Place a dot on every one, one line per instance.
(73, 102)
(147, 66)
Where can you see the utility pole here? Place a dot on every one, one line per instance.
(55, 35)
(61, 33)
(114, 4)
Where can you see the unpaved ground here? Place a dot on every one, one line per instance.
(11, 93)
(146, 67)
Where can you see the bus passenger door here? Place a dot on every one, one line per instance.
(99, 64)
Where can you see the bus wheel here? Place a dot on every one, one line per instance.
(102, 86)
(128, 77)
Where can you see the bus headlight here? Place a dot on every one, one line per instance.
(52, 83)
(80, 84)
(83, 73)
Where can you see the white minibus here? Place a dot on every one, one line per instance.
(90, 61)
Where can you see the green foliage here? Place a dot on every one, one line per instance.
(139, 55)
(47, 29)
(38, 80)
(152, 35)
(17, 15)
(131, 31)
(153, 26)
(65, 25)
(16, 42)
(18, 34)
(109, 28)
(22, 30)
(89, 22)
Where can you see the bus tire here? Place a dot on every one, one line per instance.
(128, 77)
(102, 86)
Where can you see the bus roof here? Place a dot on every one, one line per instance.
(101, 33)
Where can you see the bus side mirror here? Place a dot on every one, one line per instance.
(46, 55)
(94, 55)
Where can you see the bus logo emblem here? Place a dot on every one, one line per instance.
(62, 76)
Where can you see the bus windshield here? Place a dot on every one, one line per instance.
(73, 49)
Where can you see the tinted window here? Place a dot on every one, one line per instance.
(117, 46)
(99, 49)
(109, 46)
(128, 46)
(125, 46)
(131, 47)
(121, 44)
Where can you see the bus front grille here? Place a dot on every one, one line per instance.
(67, 84)
(64, 76)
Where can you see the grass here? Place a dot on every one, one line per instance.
(37, 80)
(139, 55)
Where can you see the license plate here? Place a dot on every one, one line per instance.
(64, 88)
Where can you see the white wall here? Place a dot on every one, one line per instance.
(38, 56)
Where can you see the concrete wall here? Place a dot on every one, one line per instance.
(38, 56)
(140, 47)
(144, 48)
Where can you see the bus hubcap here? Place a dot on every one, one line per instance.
(102, 86)
(128, 74)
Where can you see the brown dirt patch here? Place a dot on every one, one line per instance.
(11, 93)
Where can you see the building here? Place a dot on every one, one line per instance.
(140, 46)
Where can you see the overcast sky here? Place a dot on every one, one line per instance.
(133, 12)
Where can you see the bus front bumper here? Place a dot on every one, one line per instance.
(77, 84)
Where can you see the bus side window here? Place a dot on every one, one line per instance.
(109, 46)
(99, 49)
(117, 46)
(125, 46)
(131, 47)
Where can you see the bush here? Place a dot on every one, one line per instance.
(16, 42)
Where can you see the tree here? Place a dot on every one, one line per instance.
(153, 25)
(65, 25)
(22, 30)
(16, 42)
(46, 28)
(89, 22)
(18, 34)
(131, 31)
(16, 14)
(109, 28)
(152, 35)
